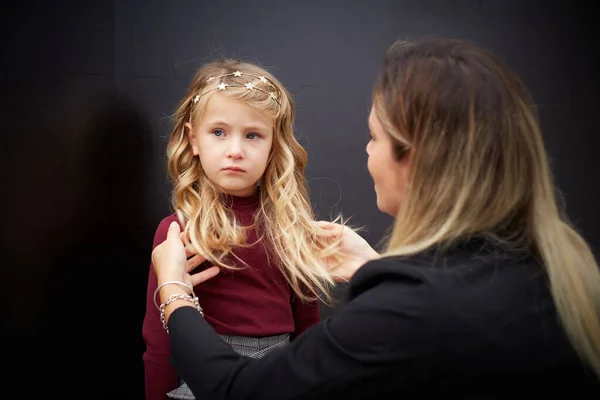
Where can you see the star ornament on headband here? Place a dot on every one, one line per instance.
(248, 85)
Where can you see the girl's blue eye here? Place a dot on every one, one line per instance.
(251, 135)
(218, 132)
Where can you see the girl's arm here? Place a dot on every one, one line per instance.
(159, 375)
(306, 314)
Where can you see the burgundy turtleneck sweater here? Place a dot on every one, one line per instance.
(255, 301)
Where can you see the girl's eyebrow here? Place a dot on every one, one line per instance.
(217, 122)
(260, 128)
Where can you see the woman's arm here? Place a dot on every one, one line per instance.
(384, 330)
(363, 342)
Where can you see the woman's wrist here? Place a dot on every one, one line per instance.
(172, 294)
(166, 293)
(374, 255)
(169, 278)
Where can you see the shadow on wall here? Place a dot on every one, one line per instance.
(79, 248)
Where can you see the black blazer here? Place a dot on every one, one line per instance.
(474, 322)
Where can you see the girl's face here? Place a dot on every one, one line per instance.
(233, 141)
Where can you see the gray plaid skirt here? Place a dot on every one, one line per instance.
(245, 346)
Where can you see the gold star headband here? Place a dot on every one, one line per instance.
(273, 94)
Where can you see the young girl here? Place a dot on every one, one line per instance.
(240, 195)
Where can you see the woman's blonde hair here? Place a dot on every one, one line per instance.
(479, 166)
(285, 219)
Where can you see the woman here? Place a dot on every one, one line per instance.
(484, 288)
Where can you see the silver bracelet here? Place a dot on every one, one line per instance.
(188, 287)
(172, 298)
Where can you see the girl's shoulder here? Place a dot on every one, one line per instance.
(161, 231)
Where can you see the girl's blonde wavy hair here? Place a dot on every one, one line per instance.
(285, 218)
(479, 166)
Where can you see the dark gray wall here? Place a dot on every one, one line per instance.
(87, 91)
(328, 52)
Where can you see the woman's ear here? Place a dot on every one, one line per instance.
(192, 138)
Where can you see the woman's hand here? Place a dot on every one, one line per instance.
(173, 261)
(356, 248)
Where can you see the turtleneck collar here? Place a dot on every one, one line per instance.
(236, 201)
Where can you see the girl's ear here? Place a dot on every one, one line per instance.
(192, 138)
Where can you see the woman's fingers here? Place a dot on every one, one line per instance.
(204, 275)
(189, 249)
(194, 262)
(335, 229)
(327, 225)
